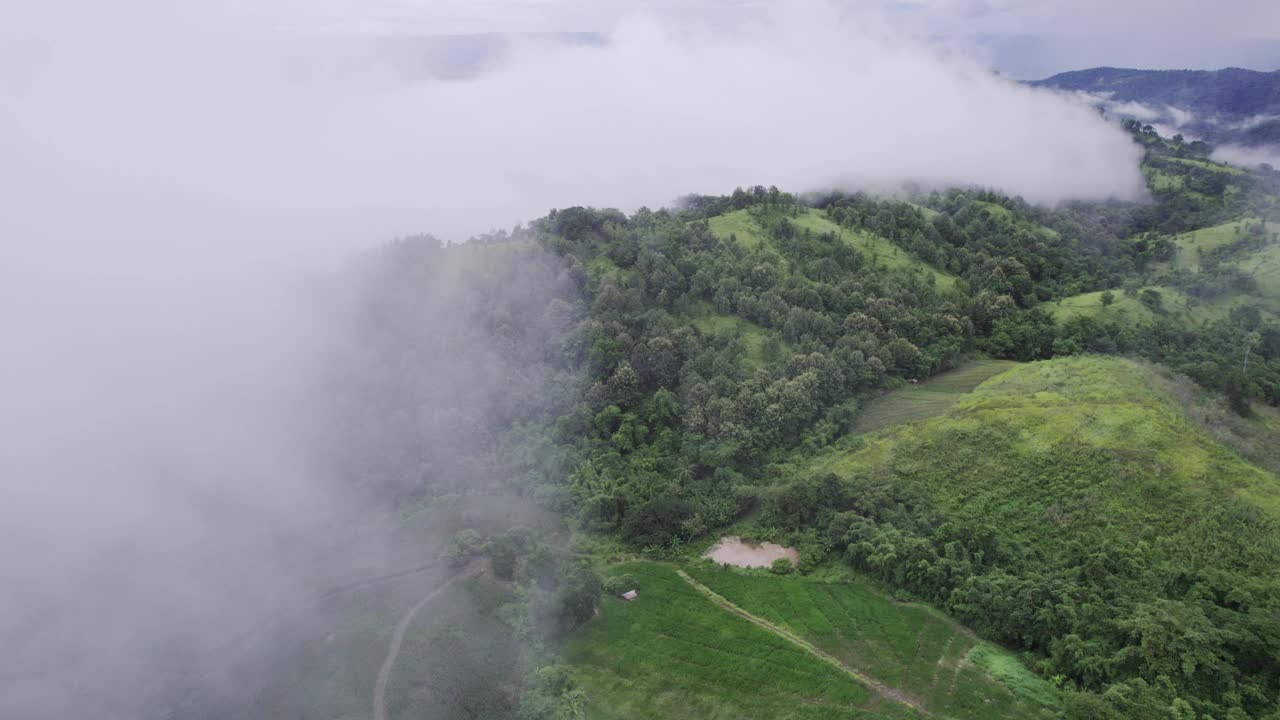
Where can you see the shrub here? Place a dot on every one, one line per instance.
(619, 584)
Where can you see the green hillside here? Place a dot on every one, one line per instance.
(1173, 304)
(746, 227)
(1120, 494)
(1192, 246)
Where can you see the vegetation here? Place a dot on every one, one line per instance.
(909, 647)
(673, 654)
(931, 398)
(1069, 509)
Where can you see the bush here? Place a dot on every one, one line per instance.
(781, 566)
(619, 584)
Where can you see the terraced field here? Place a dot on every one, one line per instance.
(674, 654)
(929, 399)
(912, 648)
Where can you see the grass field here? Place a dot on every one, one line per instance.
(910, 647)
(738, 224)
(707, 320)
(1192, 244)
(673, 654)
(1264, 266)
(743, 226)
(929, 399)
(1049, 450)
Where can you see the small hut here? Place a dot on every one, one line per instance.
(630, 595)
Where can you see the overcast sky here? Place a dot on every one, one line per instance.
(1024, 38)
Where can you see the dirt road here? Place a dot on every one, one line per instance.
(397, 638)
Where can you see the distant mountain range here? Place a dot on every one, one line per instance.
(1230, 106)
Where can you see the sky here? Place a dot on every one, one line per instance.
(1026, 39)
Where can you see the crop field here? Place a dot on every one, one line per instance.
(673, 654)
(910, 647)
(929, 399)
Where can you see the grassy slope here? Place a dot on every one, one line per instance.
(910, 647)
(1177, 305)
(1005, 215)
(707, 320)
(741, 225)
(929, 399)
(1264, 265)
(1052, 449)
(672, 653)
(1191, 244)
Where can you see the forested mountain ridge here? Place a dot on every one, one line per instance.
(1231, 105)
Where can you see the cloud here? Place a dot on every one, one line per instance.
(1247, 156)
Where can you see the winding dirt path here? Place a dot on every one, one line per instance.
(883, 690)
(397, 638)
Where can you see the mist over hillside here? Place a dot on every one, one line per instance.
(273, 381)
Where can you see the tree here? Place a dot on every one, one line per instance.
(579, 593)
(1108, 298)
(502, 556)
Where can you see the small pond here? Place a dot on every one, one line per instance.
(735, 551)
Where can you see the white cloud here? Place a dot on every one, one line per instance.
(1247, 156)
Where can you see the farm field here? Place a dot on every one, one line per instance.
(913, 648)
(930, 398)
(673, 654)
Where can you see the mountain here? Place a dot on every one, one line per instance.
(1228, 106)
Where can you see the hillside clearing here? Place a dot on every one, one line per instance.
(931, 398)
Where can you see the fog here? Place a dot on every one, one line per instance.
(1248, 156)
(185, 185)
